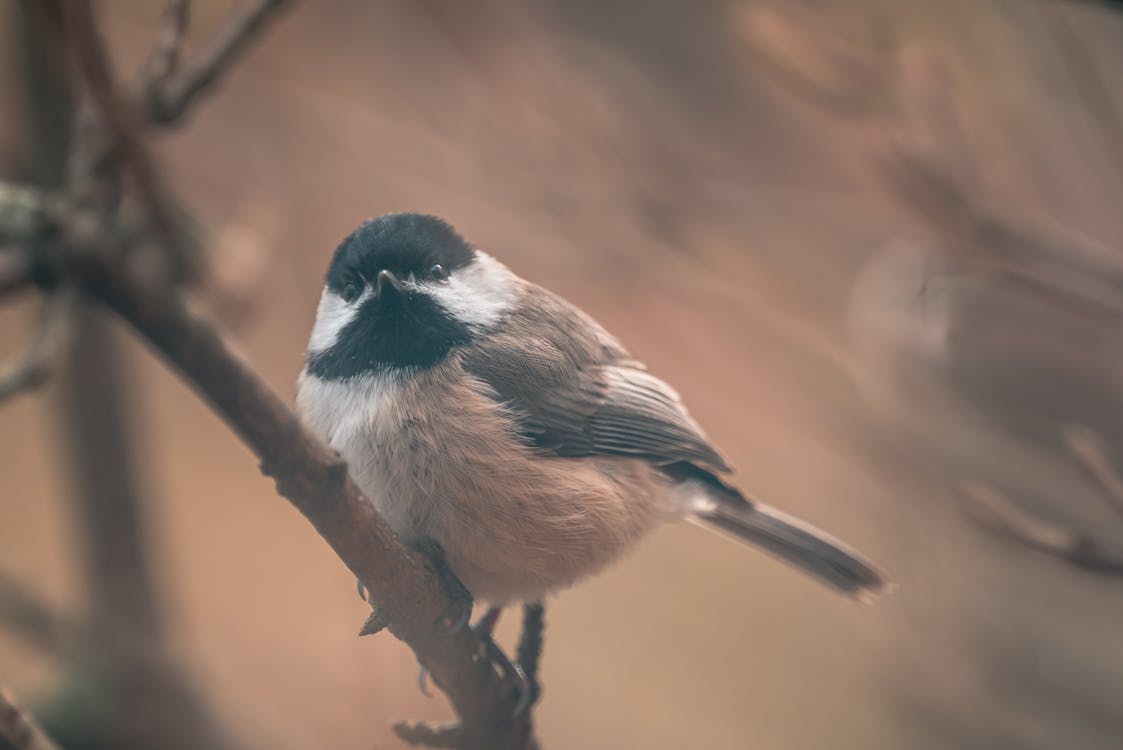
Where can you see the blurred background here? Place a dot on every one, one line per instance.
(876, 245)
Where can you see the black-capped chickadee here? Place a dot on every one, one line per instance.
(489, 417)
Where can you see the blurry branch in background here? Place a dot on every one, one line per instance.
(119, 674)
(932, 170)
(843, 66)
(931, 167)
(19, 728)
(164, 60)
(22, 219)
(1087, 78)
(15, 270)
(1091, 453)
(88, 243)
(1038, 257)
(27, 616)
(33, 368)
(120, 119)
(992, 510)
(167, 95)
(997, 513)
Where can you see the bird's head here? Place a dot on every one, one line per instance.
(402, 291)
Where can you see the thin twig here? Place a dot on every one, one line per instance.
(123, 125)
(169, 43)
(27, 616)
(23, 213)
(995, 512)
(1067, 267)
(529, 651)
(32, 369)
(15, 271)
(1091, 453)
(19, 728)
(170, 102)
(1087, 77)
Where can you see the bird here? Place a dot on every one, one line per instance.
(503, 429)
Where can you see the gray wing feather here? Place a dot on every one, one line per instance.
(575, 391)
(641, 415)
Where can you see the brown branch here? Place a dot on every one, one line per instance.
(168, 103)
(169, 43)
(106, 495)
(23, 213)
(1087, 77)
(19, 728)
(33, 368)
(1068, 268)
(31, 619)
(1092, 455)
(121, 120)
(995, 512)
(15, 272)
(405, 585)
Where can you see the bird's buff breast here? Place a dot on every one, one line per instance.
(438, 458)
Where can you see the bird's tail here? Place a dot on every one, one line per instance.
(797, 543)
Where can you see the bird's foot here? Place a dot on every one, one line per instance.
(484, 630)
(460, 613)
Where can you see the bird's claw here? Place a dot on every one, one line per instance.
(512, 672)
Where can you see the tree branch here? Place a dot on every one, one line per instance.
(22, 214)
(1092, 455)
(169, 42)
(123, 125)
(405, 585)
(995, 512)
(1068, 268)
(167, 103)
(106, 495)
(15, 271)
(1086, 76)
(19, 728)
(33, 368)
(33, 620)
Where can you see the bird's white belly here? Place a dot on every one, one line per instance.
(437, 459)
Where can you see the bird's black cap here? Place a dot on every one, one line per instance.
(402, 243)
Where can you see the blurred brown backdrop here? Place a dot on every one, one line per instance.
(717, 182)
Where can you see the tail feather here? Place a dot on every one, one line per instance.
(796, 543)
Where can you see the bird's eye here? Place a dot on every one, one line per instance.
(438, 272)
(350, 292)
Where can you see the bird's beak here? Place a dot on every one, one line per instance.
(387, 280)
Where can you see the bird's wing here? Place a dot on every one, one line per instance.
(575, 391)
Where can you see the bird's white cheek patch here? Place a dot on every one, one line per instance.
(478, 294)
(332, 316)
